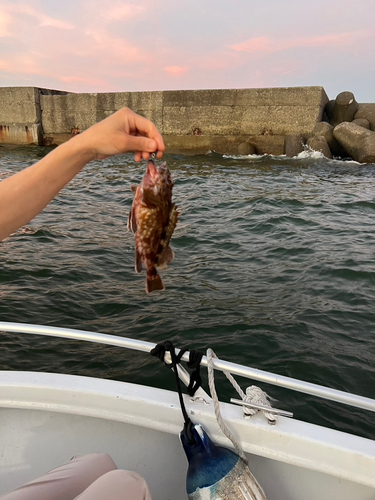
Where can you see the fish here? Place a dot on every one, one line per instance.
(152, 219)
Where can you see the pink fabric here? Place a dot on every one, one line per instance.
(93, 477)
(117, 485)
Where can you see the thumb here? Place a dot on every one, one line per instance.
(137, 143)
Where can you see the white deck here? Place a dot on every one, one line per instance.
(45, 419)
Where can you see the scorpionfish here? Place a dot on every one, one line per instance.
(152, 219)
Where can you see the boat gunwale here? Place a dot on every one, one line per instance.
(312, 389)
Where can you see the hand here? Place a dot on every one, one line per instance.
(122, 132)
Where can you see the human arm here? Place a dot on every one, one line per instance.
(25, 194)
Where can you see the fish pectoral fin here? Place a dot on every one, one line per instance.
(165, 258)
(134, 187)
(149, 197)
(138, 262)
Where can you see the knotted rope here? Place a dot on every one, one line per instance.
(253, 394)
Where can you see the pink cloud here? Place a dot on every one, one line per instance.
(267, 44)
(121, 45)
(5, 20)
(216, 61)
(260, 44)
(120, 11)
(82, 57)
(55, 23)
(11, 11)
(117, 50)
(175, 71)
(97, 12)
(86, 81)
(28, 64)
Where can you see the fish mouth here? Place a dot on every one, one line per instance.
(157, 172)
(151, 169)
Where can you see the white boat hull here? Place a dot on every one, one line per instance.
(45, 419)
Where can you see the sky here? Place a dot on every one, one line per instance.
(140, 45)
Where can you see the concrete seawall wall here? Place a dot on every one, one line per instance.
(20, 119)
(191, 121)
(20, 115)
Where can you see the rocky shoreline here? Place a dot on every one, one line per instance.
(347, 130)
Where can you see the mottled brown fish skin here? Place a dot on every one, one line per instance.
(153, 218)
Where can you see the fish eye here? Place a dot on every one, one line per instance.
(169, 181)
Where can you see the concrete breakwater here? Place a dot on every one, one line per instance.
(233, 121)
(347, 130)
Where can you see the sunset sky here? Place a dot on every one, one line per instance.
(119, 45)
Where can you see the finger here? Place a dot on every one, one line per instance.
(147, 128)
(158, 152)
(160, 145)
(138, 156)
(138, 143)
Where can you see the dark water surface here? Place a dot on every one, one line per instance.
(274, 268)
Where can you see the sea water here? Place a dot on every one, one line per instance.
(274, 268)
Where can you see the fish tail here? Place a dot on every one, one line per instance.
(153, 282)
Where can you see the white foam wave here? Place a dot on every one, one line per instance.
(309, 153)
(247, 157)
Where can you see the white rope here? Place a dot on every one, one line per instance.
(256, 396)
(220, 421)
(253, 395)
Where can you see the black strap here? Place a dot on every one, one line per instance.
(195, 378)
(195, 359)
